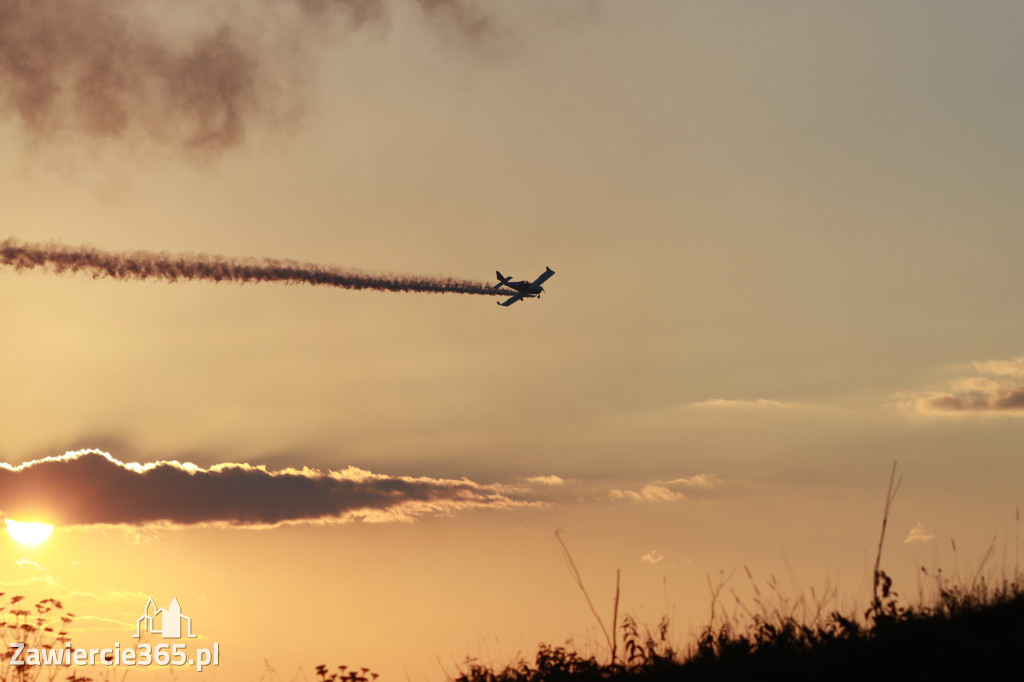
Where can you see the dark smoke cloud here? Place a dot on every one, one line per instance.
(90, 487)
(171, 268)
(108, 68)
(464, 17)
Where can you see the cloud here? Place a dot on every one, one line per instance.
(1009, 368)
(698, 485)
(741, 403)
(648, 493)
(31, 574)
(652, 557)
(101, 624)
(90, 487)
(918, 534)
(546, 480)
(706, 481)
(32, 581)
(28, 562)
(109, 595)
(999, 391)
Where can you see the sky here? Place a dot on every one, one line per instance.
(785, 239)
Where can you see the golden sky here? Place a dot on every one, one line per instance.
(786, 240)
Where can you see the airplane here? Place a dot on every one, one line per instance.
(523, 288)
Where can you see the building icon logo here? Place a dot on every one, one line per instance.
(170, 621)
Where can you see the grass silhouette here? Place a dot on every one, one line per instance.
(968, 631)
(43, 625)
(346, 674)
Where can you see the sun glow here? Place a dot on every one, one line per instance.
(28, 533)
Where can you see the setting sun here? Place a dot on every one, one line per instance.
(29, 533)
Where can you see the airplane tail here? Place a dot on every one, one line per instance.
(501, 280)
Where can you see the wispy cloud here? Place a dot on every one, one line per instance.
(546, 480)
(998, 390)
(652, 557)
(706, 481)
(669, 491)
(101, 624)
(29, 574)
(648, 493)
(31, 581)
(90, 487)
(22, 562)
(744, 403)
(1009, 368)
(918, 534)
(109, 595)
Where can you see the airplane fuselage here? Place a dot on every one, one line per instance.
(528, 289)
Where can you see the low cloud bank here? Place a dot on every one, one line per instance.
(90, 487)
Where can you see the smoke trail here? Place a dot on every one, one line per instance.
(193, 75)
(171, 268)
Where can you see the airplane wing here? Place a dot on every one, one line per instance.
(543, 278)
(511, 299)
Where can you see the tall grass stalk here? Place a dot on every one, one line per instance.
(880, 578)
(610, 638)
(1016, 559)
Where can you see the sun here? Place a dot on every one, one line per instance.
(28, 533)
